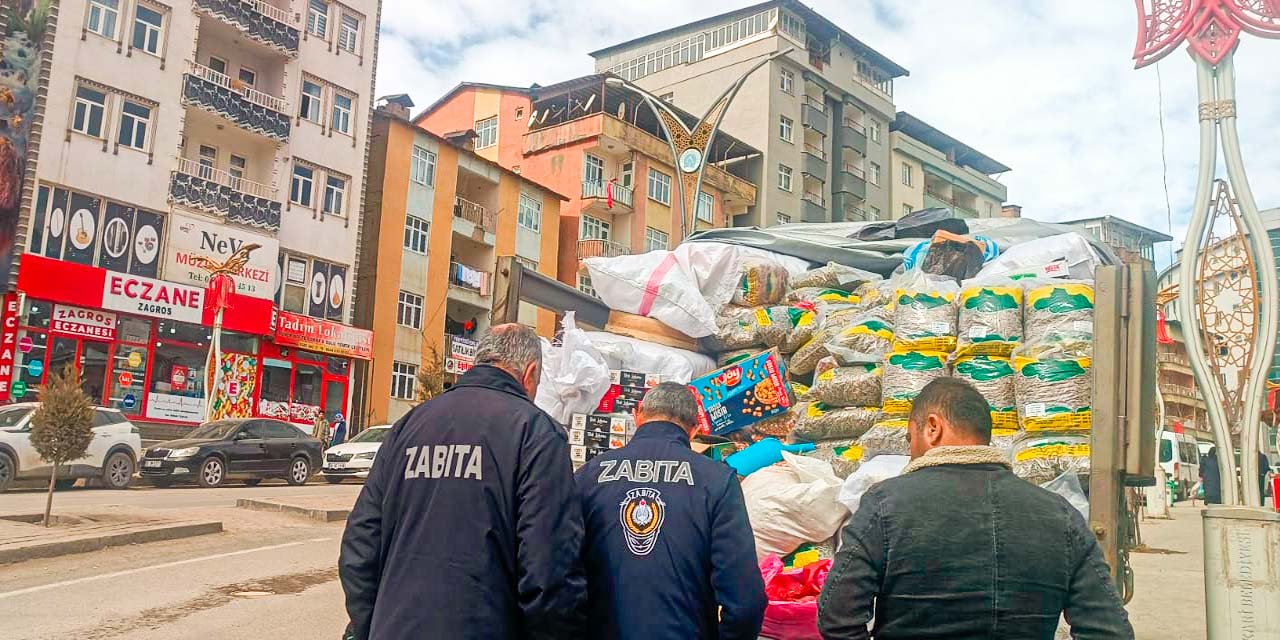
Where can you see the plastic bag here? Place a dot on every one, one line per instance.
(716, 267)
(793, 503)
(761, 283)
(736, 328)
(653, 284)
(905, 374)
(852, 386)
(1054, 385)
(792, 612)
(1043, 458)
(993, 377)
(1068, 486)
(868, 474)
(990, 319)
(834, 276)
(575, 375)
(806, 358)
(867, 338)
(822, 422)
(886, 437)
(631, 354)
(821, 294)
(952, 255)
(787, 327)
(924, 316)
(1056, 308)
(844, 456)
(1071, 248)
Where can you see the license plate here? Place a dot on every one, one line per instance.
(151, 463)
(337, 465)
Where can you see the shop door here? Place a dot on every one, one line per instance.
(335, 400)
(90, 359)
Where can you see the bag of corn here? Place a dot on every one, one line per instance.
(905, 374)
(822, 422)
(834, 276)
(924, 317)
(1053, 385)
(821, 294)
(990, 319)
(1057, 308)
(993, 377)
(886, 437)
(856, 385)
(763, 282)
(1041, 459)
(844, 456)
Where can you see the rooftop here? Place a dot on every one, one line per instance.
(961, 153)
(461, 86)
(1146, 232)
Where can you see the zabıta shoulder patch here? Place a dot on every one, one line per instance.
(642, 512)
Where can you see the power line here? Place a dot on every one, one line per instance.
(1164, 160)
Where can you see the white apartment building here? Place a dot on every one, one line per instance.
(821, 113)
(177, 131)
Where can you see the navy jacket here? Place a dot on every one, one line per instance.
(668, 544)
(468, 526)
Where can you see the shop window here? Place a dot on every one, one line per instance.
(134, 330)
(239, 342)
(38, 314)
(277, 375)
(184, 332)
(306, 389)
(30, 365)
(133, 360)
(339, 366)
(309, 355)
(178, 371)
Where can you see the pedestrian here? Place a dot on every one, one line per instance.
(959, 547)
(339, 429)
(468, 526)
(320, 430)
(1264, 472)
(1210, 477)
(669, 552)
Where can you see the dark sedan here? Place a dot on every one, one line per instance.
(247, 449)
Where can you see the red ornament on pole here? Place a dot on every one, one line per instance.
(1211, 28)
(220, 288)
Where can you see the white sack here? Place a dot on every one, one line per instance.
(655, 285)
(631, 354)
(1070, 247)
(792, 503)
(716, 267)
(575, 375)
(868, 474)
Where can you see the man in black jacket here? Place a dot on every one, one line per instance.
(669, 551)
(959, 547)
(468, 526)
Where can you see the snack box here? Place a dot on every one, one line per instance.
(601, 423)
(620, 398)
(743, 393)
(634, 379)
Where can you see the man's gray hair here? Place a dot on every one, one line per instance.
(673, 401)
(512, 346)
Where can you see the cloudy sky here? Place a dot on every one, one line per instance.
(1047, 88)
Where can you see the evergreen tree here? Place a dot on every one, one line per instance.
(62, 428)
(430, 377)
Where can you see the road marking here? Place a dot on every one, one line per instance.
(166, 565)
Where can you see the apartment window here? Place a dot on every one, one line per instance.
(236, 168)
(593, 229)
(348, 32)
(793, 26)
(90, 109)
(404, 379)
(486, 132)
(786, 126)
(217, 64)
(584, 285)
(784, 177)
(102, 17)
(409, 312)
(318, 18)
(787, 81)
(415, 234)
(705, 206)
(873, 174)
(875, 131)
(134, 120)
(906, 209)
(208, 161)
(875, 213)
(991, 209)
(302, 185)
(309, 106)
(625, 175)
(527, 263)
(783, 218)
(519, 113)
(529, 213)
(659, 187)
(341, 118)
(248, 77)
(335, 195)
(148, 25)
(907, 177)
(654, 239)
(422, 167)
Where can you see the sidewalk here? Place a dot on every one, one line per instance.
(22, 537)
(1168, 601)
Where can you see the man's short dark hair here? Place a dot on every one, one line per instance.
(673, 401)
(958, 402)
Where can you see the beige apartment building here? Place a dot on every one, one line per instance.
(820, 114)
(929, 168)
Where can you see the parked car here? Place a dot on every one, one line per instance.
(1180, 457)
(247, 449)
(112, 455)
(354, 458)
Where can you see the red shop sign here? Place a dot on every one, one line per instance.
(8, 341)
(86, 323)
(293, 330)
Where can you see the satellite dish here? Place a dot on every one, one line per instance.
(622, 111)
(533, 117)
(544, 116)
(590, 101)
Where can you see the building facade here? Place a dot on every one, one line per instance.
(820, 114)
(929, 168)
(436, 217)
(1132, 243)
(179, 135)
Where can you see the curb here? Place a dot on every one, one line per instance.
(85, 544)
(323, 515)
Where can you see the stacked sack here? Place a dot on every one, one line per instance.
(924, 336)
(990, 328)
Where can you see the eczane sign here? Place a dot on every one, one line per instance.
(150, 297)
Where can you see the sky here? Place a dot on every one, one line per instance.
(1047, 88)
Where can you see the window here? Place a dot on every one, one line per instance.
(584, 285)
(134, 119)
(659, 186)
(705, 207)
(409, 313)
(592, 169)
(593, 229)
(784, 177)
(785, 128)
(404, 379)
(875, 213)
(991, 211)
(102, 17)
(875, 131)
(787, 81)
(318, 18)
(302, 185)
(208, 161)
(783, 218)
(248, 76)
(309, 106)
(340, 120)
(668, 97)
(873, 174)
(486, 132)
(654, 239)
(529, 213)
(335, 195)
(793, 26)
(625, 175)
(147, 30)
(422, 167)
(519, 113)
(218, 64)
(906, 209)
(274, 430)
(237, 167)
(415, 234)
(348, 32)
(90, 105)
(907, 176)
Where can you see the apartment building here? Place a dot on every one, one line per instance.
(820, 113)
(174, 135)
(931, 169)
(597, 142)
(1133, 243)
(436, 217)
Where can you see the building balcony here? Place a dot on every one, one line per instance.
(215, 191)
(469, 285)
(933, 198)
(1180, 394)
(607, 196)
(846, 207)
(855, 135)
(247, 108)
(264, 23)
(813, 207)
(595, 248)
(813, 161)
(474, 221)
(851, 179)
(813, 115)
(1174, 361)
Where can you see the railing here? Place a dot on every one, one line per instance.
(816, 151)
(593, 248)
(1178, 390)
(252, 95)
(600, 189)
(815, 198)
(218, 176)
(856, 214)
(1172, 358)
(275, 27)
(465, 277)
(816, 102)
(273, 12)
(855, 170)
(856, 126)
(473, 213)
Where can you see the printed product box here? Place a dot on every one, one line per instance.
(635, 379)
(742, 394)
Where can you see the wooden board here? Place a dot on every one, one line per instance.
(648, 329)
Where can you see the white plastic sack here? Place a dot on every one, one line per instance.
(1068, 486)
(879, 468)
(630, 354)
(1071, 248)
(655, 285)
(575, 375)
(716, 267)
(792, 503)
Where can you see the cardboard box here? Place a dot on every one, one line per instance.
(577, 437)
(743, 393)
(634, 379)
(577, 453)
(621, 398)
(600, 423)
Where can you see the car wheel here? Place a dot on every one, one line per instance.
(7, 471)
(212, 473)
(252, 482)
(299, 471)
(333, 479)
(117, 473)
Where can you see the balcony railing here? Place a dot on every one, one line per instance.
(602, 189)
(855, 170)
(816, 102)
(474, 213)
(592, 248)
(248, 108)
(816, 151)
(259, 98)
(266, 23)
(470, 278)
(856, 214)
(239, 199)
(856, 126)
(815, 198)
(1172, 358)
(1178, 390)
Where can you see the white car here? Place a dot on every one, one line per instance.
(353, 458)
(112, 456)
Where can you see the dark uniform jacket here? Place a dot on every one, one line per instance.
(668, 544)
(468, 526)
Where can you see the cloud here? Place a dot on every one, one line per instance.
(1048, 89)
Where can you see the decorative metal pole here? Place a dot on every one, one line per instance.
(220, 286)
(1226, 241)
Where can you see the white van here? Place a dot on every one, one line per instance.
(1180, 457)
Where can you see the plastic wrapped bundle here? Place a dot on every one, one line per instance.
(806, 358)
(736, 328)
(802, 392)
(993, 377)
(1041, 459)
(906, 373)
(886, 437)
(867, 339)
(1004, 439)
(924, 317)
(990, 319)
(834, 276)
(1054, 385)
(729, 357)
(856, 385)
(763, 282)
(1058, 308)
(821, 294)
(844, 456)
(821, 422)
(785, 327)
